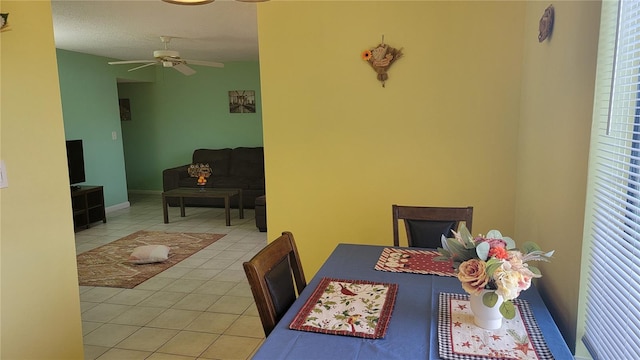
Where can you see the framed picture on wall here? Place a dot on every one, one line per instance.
(242, 101)
(125, 110)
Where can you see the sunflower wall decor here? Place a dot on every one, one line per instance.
(380, 58)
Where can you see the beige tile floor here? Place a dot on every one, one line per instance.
(201, 308)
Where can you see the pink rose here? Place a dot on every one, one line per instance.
(496, 243)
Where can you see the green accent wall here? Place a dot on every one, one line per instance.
(178, 114)
(171, 115)
(90, 110)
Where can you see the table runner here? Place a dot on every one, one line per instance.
(348, 307)
(413, 261)
(459, 338)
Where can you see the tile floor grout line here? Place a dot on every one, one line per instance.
(239, 341)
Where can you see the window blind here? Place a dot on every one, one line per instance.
(613, 295)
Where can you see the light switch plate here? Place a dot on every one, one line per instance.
(4, 182)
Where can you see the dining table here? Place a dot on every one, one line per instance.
(413, 325)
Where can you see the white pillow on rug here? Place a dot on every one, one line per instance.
(147, 254)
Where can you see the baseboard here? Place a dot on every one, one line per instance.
(115, 207)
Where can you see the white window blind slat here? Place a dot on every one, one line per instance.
(623, 215)
(613, 295)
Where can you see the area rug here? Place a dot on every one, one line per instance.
(108, 265)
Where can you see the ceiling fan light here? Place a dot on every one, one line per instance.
(189, 2)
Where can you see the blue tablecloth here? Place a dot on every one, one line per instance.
(413, 329)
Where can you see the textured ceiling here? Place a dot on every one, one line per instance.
(222, 31)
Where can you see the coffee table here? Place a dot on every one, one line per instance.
(182, 193)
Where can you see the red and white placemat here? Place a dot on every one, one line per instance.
(460, 339)
(348, 307)
(413, 261)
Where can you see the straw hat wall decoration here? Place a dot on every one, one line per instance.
(381, 58)
(546, 24)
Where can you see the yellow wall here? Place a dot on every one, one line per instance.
(476, 113)
(449, 129)
(40, 299)
(341, 149)
(553, 147)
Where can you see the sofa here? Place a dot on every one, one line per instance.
(241, 167)
(261, 213)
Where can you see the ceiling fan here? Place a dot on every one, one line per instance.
(168, 58)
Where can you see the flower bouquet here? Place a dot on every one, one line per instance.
(201, 171)
(492, 265)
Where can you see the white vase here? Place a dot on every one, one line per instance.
(486, 317)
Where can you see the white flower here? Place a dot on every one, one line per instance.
(509, 283)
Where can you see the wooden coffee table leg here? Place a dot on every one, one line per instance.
(165, 212)
(227, 211)
(240, 204)
(182, 207)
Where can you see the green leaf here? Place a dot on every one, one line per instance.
(535, 270)
(510, 243)
(458, 252)
(445, 246)
(508, 310)
(483, 250)
(444, 255)
(530, 246)
(455, 246)
(490, 299)
(492, 266)
(466, 236)
(494, 234)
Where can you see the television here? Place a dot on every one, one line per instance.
(75, 162)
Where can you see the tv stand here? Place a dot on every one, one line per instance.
(88, 206)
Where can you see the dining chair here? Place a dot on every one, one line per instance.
(271, 274)
(426, 225)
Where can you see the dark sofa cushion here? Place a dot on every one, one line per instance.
(230, 182)
(247, 162)
(218, 160)
(257, 184)
(188, 182)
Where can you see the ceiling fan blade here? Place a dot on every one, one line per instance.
(131, 62)
(184, 69)
(143, 66)
(204, 63)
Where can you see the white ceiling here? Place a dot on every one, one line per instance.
(222, 31)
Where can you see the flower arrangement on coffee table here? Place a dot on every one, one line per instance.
(201, 171)
(492, 262)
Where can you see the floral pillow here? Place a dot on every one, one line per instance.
(147, 254)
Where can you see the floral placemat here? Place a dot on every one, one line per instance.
(459, 338)
(413, 261)
(348, 307)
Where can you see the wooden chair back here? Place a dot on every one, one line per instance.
(426, 225)
(271, 274)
